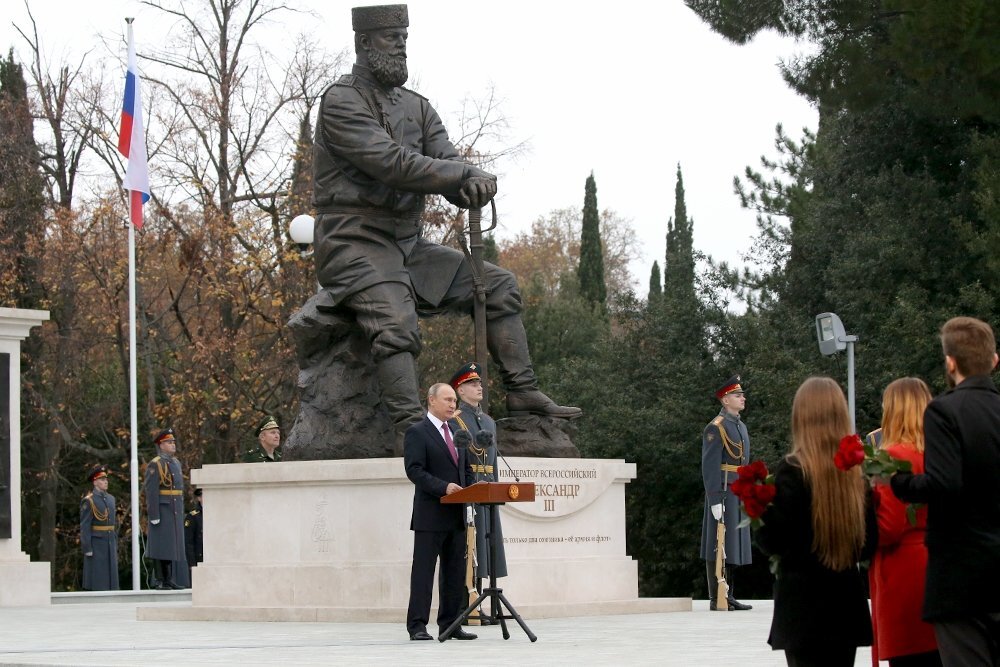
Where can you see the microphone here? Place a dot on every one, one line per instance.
(462, 439)
(485, 440)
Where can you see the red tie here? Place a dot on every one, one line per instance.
(450, 442)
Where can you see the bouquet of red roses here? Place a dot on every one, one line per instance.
(755, 488)
(874, 463)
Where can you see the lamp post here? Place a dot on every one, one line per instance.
(301, 230)
(832, 338)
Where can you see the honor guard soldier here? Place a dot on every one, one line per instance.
(482, 456)
(268, 449)
(99, 534)
(193, 532)
(725, 446)
(164, 488)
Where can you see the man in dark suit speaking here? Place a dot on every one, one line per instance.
(434, 466)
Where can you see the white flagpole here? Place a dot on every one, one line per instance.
(133, 393)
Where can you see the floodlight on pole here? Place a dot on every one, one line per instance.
(833, 338)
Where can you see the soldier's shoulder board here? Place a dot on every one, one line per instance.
(193, 513)
(717, 421)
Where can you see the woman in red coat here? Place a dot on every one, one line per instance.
(899, 568)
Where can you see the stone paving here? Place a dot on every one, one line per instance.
(109, 634)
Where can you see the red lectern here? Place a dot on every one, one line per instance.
(492, 494)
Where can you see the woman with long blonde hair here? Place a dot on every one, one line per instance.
(820, 525)
(900, 564)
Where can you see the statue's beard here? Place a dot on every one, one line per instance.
(388, 69)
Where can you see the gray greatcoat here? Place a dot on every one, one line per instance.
(99, 538)
(724, 441)
(484, 469)
(164, 489)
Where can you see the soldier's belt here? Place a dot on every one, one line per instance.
(482, 469)
(726, 467)
(109, 528)
(170, 492)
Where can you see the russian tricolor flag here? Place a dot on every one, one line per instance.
(132, 140)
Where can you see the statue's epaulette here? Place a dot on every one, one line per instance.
(413, 92)
(346, 80)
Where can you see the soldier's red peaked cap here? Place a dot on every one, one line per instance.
(165, 434)
(97, 472)
(466, 373)
(377, 17)
(730, 386)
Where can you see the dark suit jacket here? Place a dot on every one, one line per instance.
(962, 468)
(430, 467)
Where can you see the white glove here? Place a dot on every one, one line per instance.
(717, 512)
(468, 516)
(89, 553)
(154, 521)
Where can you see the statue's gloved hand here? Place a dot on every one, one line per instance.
(717, 511)
(478, 188)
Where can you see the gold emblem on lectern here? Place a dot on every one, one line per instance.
(513, 492)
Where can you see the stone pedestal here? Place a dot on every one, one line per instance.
(330, 541)
(22, 583)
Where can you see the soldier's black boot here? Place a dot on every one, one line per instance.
(163, 570)
(734, 604)
(508, 346)
(713, 586)
(397, 377)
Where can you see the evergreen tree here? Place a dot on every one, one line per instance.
(591, 271)
(22, 193)
(655, 285)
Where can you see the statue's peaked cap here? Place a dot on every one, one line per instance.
(377, 17)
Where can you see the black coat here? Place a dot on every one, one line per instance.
(961, 471)
(430, 467)
(815, 608)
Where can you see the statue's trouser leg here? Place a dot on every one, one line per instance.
(506, 339)
(387, 314)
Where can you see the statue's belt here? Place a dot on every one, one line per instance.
(369, 212)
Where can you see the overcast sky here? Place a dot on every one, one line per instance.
(626, 89)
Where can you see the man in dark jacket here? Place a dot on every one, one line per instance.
(194, 533)
(379, 150)
(962, 468)
(433, 465)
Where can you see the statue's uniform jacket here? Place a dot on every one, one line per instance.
(371, 175)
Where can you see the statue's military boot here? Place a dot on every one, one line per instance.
(397, 377)
(508, 346)
(534, 402)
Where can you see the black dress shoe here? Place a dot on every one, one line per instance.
(420, 636)
(462, 634)
(736, 605)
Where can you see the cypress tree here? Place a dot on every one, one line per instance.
(655, 284)
(22, 192)
(591, 271)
